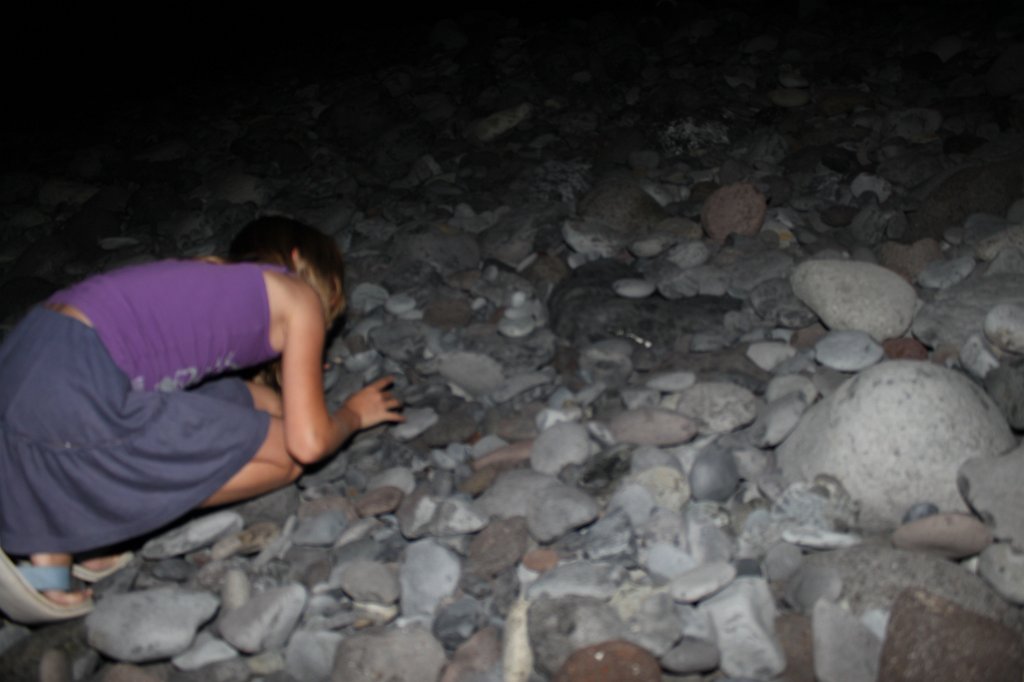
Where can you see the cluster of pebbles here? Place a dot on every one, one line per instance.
(709, 325)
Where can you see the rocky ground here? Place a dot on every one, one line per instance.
(709, 322)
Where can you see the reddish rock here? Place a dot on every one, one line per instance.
(507, 456)
(310, 508)
(808, 336)
(383, 500)
(615, 661)
(908, 260)
(478, 481)
(931, 639)
(498, 546)
(739, 208)
(794, 634)
(541, 560)
(953, 536)
(478, 654)
(905, 349)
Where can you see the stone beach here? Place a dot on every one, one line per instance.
(708, 322)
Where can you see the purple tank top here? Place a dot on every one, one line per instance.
(170, 324)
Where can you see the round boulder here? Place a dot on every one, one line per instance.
(895, 435)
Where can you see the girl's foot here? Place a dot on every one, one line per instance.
(61, 598)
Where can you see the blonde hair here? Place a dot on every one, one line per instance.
(310, 254)
(304, 250)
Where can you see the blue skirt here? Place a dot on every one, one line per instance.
(86, 462)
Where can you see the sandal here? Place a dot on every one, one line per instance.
(88, 575)
(21, 600)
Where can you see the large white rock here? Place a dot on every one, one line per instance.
(894, 435)
(856, 295)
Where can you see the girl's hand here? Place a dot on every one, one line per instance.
(374, 405)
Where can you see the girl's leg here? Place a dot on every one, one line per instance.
(269, 469)
(265, 399)
(56, 596)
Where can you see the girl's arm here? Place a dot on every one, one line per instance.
(311, 431)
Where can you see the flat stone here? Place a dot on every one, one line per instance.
(703, 581)
(743, 615)
(368, 581)
(652, 426)
(953, 536)
(848, 351)
(931, 639)
(633, 288)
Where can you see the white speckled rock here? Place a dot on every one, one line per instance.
(856, 295)
(1004, 327)
(743, 615)
(894, 435)
(718, 406)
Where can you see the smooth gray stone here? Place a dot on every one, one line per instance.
(396, 477)
(651, 618)
(476, 374)
(409, 654)
(777, 420)
(417, 421)
(205, 650)
(1005, 385)
(992, 485)
(784, 384)
(848, 351)
(1003, 568)
(688, 254)
(691, 656)
(666, 561)
(456, 516)
(580, 579)
(769, 355)
(636, 501)
(610, 538)
(743, 615)
(399, 340)
(367, 581)
(511, 492)
(944, 274)
(429, 574)
(309, 655)
(959, 311)
(713, 476)
(559, 446)
(558, 626)
(811, 583)
(555, 510)
(896, 434)
(456, 622)
(139, 627)
(702, 581)
(856, 296)
(844, 649)
(196, 534)
(266, 621)
(321, 530)
(671, 382)
(782, 561)
(749, 272)
(874, 575)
